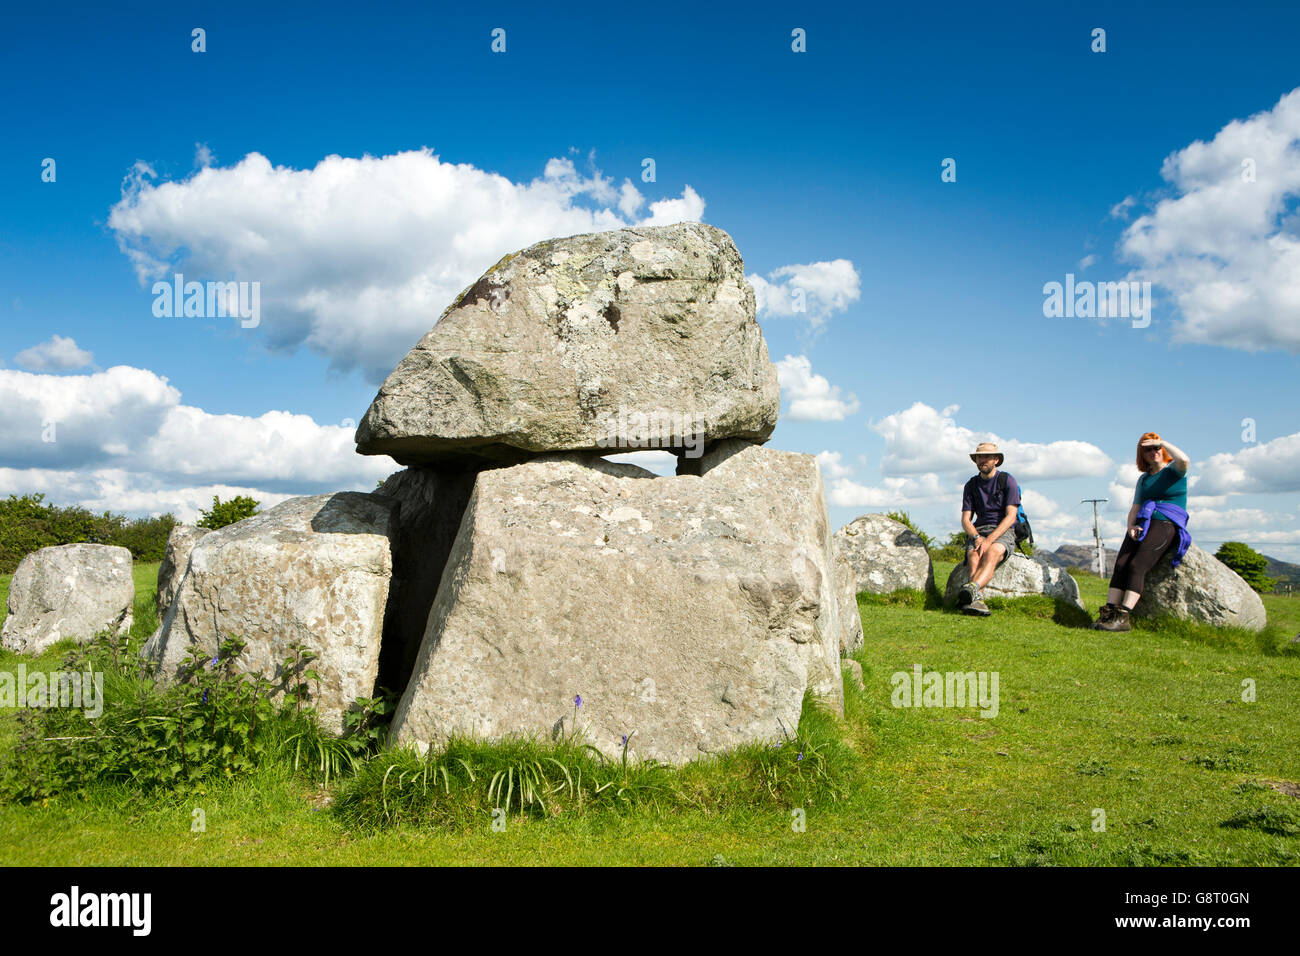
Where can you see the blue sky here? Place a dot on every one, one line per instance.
(925, 330)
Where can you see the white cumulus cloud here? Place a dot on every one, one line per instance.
(120, 439)
(813, 291)
(812, 397)
(1268, 467)
(357, 258)
(924, 439)
(1226, 244)
(59, 354)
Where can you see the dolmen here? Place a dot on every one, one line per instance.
(512, 579)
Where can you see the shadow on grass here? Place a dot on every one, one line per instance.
(1272, 641)
(928, 600)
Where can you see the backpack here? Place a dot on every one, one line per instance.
(1022, 529)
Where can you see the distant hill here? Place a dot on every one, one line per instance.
(1076, 556)
(1283, 571)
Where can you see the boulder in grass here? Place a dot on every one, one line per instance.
(886, 555)
(180, 542)
(1019, 576)
(1202, 588)
(642, 337)
(693, 610)
(313, 571)
(68, 591)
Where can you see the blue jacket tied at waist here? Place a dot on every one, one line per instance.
(1175, 514)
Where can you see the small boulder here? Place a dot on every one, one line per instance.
(642, 336)
(1019, 576)
(1202, 588)
(886, 555)
(176, 557)
(313, 571)
(71, 590)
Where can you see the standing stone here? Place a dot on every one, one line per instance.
(562, 346)
(694, 610)
(68, 591)
(431, 502)
(846, 581)
(886, 555)
(1019, 576)
(1202, 588)
(180, 542)
(310, 570)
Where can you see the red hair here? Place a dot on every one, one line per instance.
(1164, 455)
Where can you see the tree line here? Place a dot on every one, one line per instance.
(28, 523)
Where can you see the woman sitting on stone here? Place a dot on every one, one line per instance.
(1157, 522)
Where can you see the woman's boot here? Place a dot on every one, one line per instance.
(1118, 621)
(1104, 614)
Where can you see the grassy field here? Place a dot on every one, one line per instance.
(1148, 728)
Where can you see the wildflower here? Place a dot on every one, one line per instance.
(625, 740)
(214, 660)
(577, 700)
(205, 697)
(798, 758)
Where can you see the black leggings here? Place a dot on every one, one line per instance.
(1136, 558)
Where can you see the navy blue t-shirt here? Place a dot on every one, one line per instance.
(986, 499)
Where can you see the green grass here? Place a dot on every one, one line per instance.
(1148, 726)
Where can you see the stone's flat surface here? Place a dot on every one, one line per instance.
(310, 570)
(694, 610)
(553, 343)
(68, 591)
(886, 555)
(180, 542)
(1019, 576)
(1202, 588)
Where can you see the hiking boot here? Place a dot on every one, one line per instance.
(965, 595)
(977, 607)
(1104, 614)
(1118, 621)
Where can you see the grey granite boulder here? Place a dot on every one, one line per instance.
(636, 338)
(693, 610)
(1019, 576)
(68, 591)
(1202, 588)
(312, 570)
(180, 542)
(886, 555)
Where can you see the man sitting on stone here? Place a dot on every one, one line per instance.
(989, 506)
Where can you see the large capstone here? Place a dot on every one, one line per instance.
(69, 591)
(313, 571)
(695, 611)
(1202, 588)
(636, 338)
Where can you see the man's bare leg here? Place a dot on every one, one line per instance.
(988, 564)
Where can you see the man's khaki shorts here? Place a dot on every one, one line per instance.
(1008, 540)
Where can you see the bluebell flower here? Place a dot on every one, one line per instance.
(577, 700)
(214, 660)
(798, 758)
(205, 697)
(625, 740)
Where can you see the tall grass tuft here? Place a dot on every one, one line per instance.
(466, 782)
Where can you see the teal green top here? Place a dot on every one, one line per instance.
(1168, 484)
